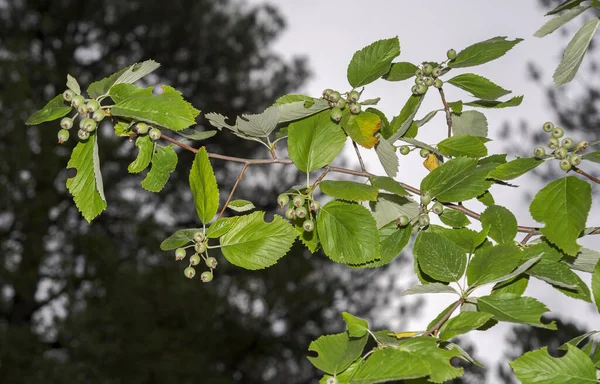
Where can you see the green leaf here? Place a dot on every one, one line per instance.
(144, 156)
(463, 145)
(512, 102)
(456, 107)
(372, 62)
(486, 199)
(439, 257)
(538, 367)
(123, 128)
(557, 274)
(315, 141)
(438, 359)
(488, 264)
(101, 87)
(357, 327)
(294, 97)
(592, 156)
(55, 109)
(179, 238)
(516, 285)
(73, 85)
(573, 55)
(429, 288)
(585, 260)
(192, 134)
(392, 241)
(309, 239)
(453, 218)
(458, 179)
(164, 162)
(336, 352)
(463, 323)
(483, 52)
(253, 244)
(120, 92)
(299, 109)
(129, 75)
(564, 6)
(167, 109)
(362, 128)
(259, 125)
(478, 86)
(348, 233)
(493, 159)
(349, 190)
(514, 168)
(388, 184)
(389, 207)
(503, 224)
(563, 205)
(515, 309)
(388, 365)
(203, 184)
(221, 226)
(472, 123)
(87, 192)
(241, 205)
(558, 21)
(401, 123)
(596, 285)
(401, 71)
(387, 157)
(465, 238)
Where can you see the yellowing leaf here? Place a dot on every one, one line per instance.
(362, 127)
(403, 335)
(431, 162)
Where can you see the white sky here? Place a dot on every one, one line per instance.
(329, 32)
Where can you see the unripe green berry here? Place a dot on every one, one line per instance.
(88, 124)
(68, 95)
(437, 72)
(419, 73)
(195, 259)
(451, 54)
(421, 89)
(211, 262)
(200, 247)
(405, 150)
(539, 152)
(206, 276)
(66, 123)
(429, 81)
(438, 83)
(424, 153)
(565, 165)
(355, 109)
(189, 272)
(154, 134)
(308, 225)
(142, 128)
(290, 213)
(341, 103)
(335, 114)
(353, 96)
(553, 143)
(437, 208)
(63, 135)
(575, 159)
(327, 93)
(283, 199)
(199, 237)
(558, 132)
(548, 126)
(99, 115)
(180, 254)
(402, 220)
(415, 90)
(77, 101)
(560, 153)
(425, 199)
(423, 220)
(82, 109)
(314, 206)
(83, 135)
(582, 145)
(568, 143)
(301, 212)
(419, 80)
(92, 105)
(335, 96)
(427, 69)
(298, 201)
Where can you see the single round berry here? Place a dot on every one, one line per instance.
(200, 247)
(421, 89)
(189, 272)
(206, 276)
(341, 103)
(565, 165)
(290, 213)
(437, 72)
(211, 262)
(98, 115)
(402, 220)
(419, 73)
(425, 199)
(438, 83)
(424, 152)
(331, 380)
(66, 123)
(355, 109)
(83, 135)
(142, 128)
(308, 225)
(82, 109)
(331, 104)
(154, 134)
(427, 69)
(68, 95)
(451, 54)
(548, 126)
(575, 159)
(92, 105)
(437, 208)
(353, 96)
(429, 81)
(582, 145)
(419, 80)
(415, 90)
(283, 199)
(539, 152)
(553, 143)
(298, 201)
(180, 254)
(314, 206)
(301, 212)
(195, 259)
(335, 114)
(88, 124)
(558, 132)
(327, 93)
(405, 150)
(423, 220)
(63, 135)
(568, 143)
(199, 237)
(560, 152)
(335, 96)
(77, 101)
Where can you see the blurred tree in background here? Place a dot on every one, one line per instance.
(101, 303)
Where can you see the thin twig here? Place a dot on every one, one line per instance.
(360, 160)
(444, 318)
(320, 178)
(178, 143)
(527, 237)
(594, 179)
(233, 189)
(447, 110)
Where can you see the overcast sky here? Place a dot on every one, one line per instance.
(329, 32)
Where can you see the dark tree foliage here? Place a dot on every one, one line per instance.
(101, 303)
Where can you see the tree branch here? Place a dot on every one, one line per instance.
(447, 111)
(594, 179)
(360, 160)
(444, 318)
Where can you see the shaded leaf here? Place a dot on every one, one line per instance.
(141, 162)
(179, 239)
(502, 222)
(400, 124)
(558, 21)
(463, 145)
(439, 257)
(512, 102)
(470, 123)
(386, 153)
(164, 162)
(453, 218)
(55, 109)
(515, 168)
(573, 55)
(388, 184)
(336, 352)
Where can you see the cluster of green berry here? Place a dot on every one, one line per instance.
(200, 252)
(90, 112)
(405, 150)
(428, 74)
(423, 217)
(142, 128)
(299, 207)
(337, 103)
(565, 150)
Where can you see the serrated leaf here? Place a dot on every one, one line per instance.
(515, 285)
(101, 87)
(221, 226)
(120, 92)
(463, 145)
(429, 288)
(483, 52)
(315, 141)
(463, 323)
(392, 240)
(488, 264)
(494, 159)
(465, 238)
(456, 106)
(386, 153)
(299, 110)
(389, 207)
(514, 168)
(388, 184)
(164, 162)
(564, 6)
(73, 85)
(453, 218)
(478, 86)
(439, 257)
(401, 71)
(336, 352)
(259, 125)
(388, 365)
(558, 21)
(372, 62)
(538, 367)
(502, 222)
(357, 327)
(136, 71)
(438, 359)
(515, 309)
(167, 109)
(470, 123)
(87, 193)
(512, 102)
(141, 162)
(585, 260)
(592, 156)
(348, 233)
(555, 273)
(374, 101)
(55, 109)
(294, 97)
(349, 190)
(241, 205)
(253, 244)
(123, 128)
(573, 55)
(401, 123)
(203, 184)
(563, 205)
(362, 128)
(192, 134)
(179, 239)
